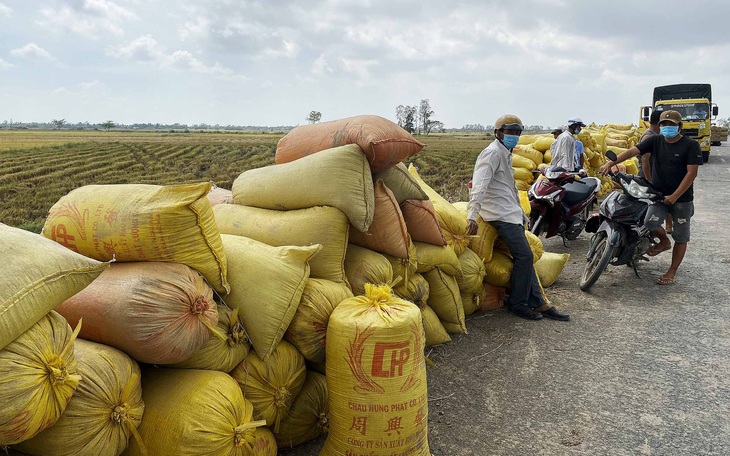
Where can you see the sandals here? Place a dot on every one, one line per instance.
(665, 280)
(655, 250)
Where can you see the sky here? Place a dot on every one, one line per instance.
(271, 62)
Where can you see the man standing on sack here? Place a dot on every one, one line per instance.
(494, 197)
(675, 161)
(563, 149)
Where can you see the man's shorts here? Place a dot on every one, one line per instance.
(681, 215)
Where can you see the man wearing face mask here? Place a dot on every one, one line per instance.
(675, 160)
(494, 198)
(563, 149)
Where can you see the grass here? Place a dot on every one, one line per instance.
(39, 167)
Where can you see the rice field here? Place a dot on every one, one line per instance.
(38, 167)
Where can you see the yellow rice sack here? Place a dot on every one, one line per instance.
(543, 143)
(525, 202)
(404, 269)
(529, 152)
(221, 354)
(103, 414)
(192, 412)
(444, 298)
(433, 328)
(534, 242)
(266, 287)
(417, 292)
(219, 195)
(38, 376)
(473, 270)
(518, 161)
(308, 417)
(323, 225)
(483, 242)
(632, 165)
(549, 267)
(452, 223)
(37, 275)
(387, 233)
(364, 266)
(338, 177)
(523, 174)
(499, 270)
(547, 158)
(137, 222)
(376, 377)
(522, 186)
(272, 385)
(528, 139)
(403, 185)
(471, 303)
(308, 330)
(431, 256)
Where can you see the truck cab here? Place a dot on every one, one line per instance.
(694, 103)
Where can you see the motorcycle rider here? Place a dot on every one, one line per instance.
(675, 161)
(494, 197)
(563, 149)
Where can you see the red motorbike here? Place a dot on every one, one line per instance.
(561, 202)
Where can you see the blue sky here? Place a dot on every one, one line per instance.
(272, 62)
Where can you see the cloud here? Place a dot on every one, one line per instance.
(146, 49)
(87, 17)
(5, 11)
(82, 89)
(5, 65)
(32, 51)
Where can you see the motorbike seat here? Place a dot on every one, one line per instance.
(577, 191)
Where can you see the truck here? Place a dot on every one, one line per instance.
(694, 103)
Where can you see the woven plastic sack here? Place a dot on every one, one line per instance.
(324, 225)
(416, 291)
(534, 242)
(272, 385)
(612, 142)
(528, 139)
(37, 275)
(549, 267)
(483, 242)
(308, 330)
(632, 166)
(103, 414)
(499, 269)
(543, 143)
(308, 417)
(522, 185)
(387, 233)
(525, 202)
(266, 287)
(471, 302)
(403, 269)
(492, 297)
(338, 177)
(365, 266)
(376, 377)
(433, 328)
(403, 185)
(453, 225)
(444, 298)
(219, 195)
(192, 412)
(422, 222)
(523, 174)
(38, 376)
(158, 313)
(473, 272)
(137, 222)
(529, 152)
(221, 354)
(382, 141)
(518, 161)
(431, 256)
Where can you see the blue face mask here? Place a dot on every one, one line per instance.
(669, 131)
(510, 141)
(577, 131)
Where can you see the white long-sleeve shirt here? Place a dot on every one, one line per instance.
(563, 151)
(494, 194)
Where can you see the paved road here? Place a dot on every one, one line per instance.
(642, 369)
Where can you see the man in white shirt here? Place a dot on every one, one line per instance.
(563, 149)
(494, 198)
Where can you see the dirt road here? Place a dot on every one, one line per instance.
(642, 369)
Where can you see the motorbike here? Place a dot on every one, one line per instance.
(561, 202)
(619, 234)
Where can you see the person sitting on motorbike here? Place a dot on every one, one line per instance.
(494, 197)
(563, 149)
(675, 161)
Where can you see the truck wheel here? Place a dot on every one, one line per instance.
(705, 156)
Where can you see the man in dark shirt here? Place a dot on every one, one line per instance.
(675, 160)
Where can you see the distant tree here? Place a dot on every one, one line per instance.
(314, 117)
(400, 115)
(108, 125)
(406, 117)
(724, 122)
(436, 126)
(474, 127)
(58, 123)
(424, 116)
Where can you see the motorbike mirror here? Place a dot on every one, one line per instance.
(611, 155)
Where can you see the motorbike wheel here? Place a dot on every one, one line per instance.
(597, 263)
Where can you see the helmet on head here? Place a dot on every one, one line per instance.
(508, 121)
(575, 121)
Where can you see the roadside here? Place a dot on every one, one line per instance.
(641, 369)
